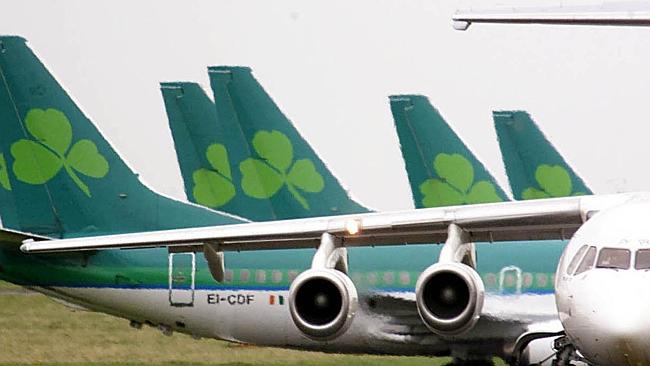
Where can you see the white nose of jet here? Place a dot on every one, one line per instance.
(609, 316)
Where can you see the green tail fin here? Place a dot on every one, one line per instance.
(276, 173)
(208, 148)
(441, 169)
(534, 167)
(58, 175)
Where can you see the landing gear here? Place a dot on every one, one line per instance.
(565, 352)
(522, 351)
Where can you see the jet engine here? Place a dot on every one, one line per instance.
(322, 303)
(449, 297)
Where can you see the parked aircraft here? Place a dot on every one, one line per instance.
(606, 13)
(244, 156)
(441, 169)
(534, 167)
(448, 295)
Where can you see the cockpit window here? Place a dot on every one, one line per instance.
(576, 259)
(642, 260)
(588, 261)
(614, 258)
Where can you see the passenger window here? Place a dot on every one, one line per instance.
(642, 260)
(588, 261)
(576, 259)
(614, 258)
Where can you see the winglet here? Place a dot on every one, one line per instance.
(460, 25)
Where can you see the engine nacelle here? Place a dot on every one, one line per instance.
(322, 303)
(449, 298)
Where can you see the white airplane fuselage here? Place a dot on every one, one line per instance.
(603, 291)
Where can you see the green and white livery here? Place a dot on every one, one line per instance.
(241, 154)
(534, 167)
(441, 169)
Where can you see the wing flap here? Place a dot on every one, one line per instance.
(523, 220)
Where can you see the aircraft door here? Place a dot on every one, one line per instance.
(510, 277)
(182, 269)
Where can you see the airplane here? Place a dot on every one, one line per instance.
(441, 169)
(206, 273)
(606, 13)
(240, 134)
(526, 152)
(198, 129)
(195, 126)
(535, 169)
(607, 232)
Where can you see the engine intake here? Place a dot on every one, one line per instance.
(322, 303)
(449, 298)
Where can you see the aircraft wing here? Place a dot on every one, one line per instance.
(619, 14)
(523, 220)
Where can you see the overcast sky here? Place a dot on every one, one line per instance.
(330, 66)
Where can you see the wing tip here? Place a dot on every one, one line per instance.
(460, 24)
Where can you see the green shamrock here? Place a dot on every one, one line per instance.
(36, 162)
(4, 175)
(263, 178)
(214, 188)
(456, 184)
(554, 181)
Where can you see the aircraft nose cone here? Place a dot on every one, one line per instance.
(610, 323)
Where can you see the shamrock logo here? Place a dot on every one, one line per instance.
(456, 184)
(4, 175)
(214, 188)
(36, 162)
(554, 181)
(263, 178)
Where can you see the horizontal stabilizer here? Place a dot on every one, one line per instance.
(550, 219)
(15, 238)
